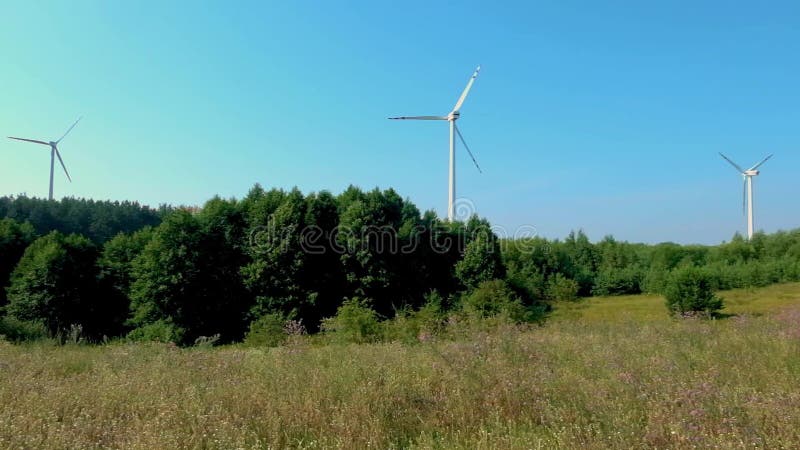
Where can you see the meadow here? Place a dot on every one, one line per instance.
(605, 372)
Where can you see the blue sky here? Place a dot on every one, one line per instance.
(605, 116)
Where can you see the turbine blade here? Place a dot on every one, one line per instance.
(419, 118)
(467, 147)
(29, 140)
(62, 165)
(70, 129)
(762, 162)
(466, 90)
(732, 163)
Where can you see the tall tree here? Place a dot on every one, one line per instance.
(180, 278)
(278, 259)
(55, 283)
(14, 239)
(481, 262)
(115, 266)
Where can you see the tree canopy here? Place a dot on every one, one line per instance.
(236, 267)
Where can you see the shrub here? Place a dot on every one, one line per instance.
(414, 326)
(530, 282)
(354, 322)
(561, 288)
(481, 261)
(618, 281)
(655, 281)
(690, 290)
(158, 331)
(494, 298)
(266, 331)
(15, 330)
(431, 315)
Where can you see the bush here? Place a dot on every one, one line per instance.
(495, 298)
(481, 262)
(15, 330)
(414, 326)
(618, 281)
(158, 331)
(561, 288)
(690, 290)
(655, 281)
(266, 331)
(354, 322)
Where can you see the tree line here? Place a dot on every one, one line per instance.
(233, 268)
(97, 220)
(214, 270)
(563, 269)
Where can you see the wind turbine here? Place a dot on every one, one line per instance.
(747, 192)
(53, 154)
(452, 117)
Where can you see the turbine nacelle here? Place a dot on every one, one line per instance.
(453, 115)
(751, 173)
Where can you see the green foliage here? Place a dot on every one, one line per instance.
(420, 325)
(97, 220)
(278, 260)
(482, 260)
(183, 276)
(625, 280)
(610, 267)
(266, 331)
(655, 280)
(563, 289)
(690, 290)
(115, 275)
(354, 322)
(222, 267)
(15, 330)
(55, 283)
(159, 331)
(495, 298)
(116, 260)
(14, 239)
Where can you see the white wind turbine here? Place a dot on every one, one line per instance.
(747, 193)
(452, 117)
(53, 154)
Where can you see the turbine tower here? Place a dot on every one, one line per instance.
(452, 117)
(53, 154)
(747, 192)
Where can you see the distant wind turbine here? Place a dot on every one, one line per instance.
(747, 192)
(452, 117)
(53, 154)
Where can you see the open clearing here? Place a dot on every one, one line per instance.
(603, 373)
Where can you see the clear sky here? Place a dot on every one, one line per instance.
(605, 116)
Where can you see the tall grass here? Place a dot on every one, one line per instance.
(576, 382)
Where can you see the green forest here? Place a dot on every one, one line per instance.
(236, 269)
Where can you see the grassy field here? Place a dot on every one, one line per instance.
(650, 308)
(603, 373)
